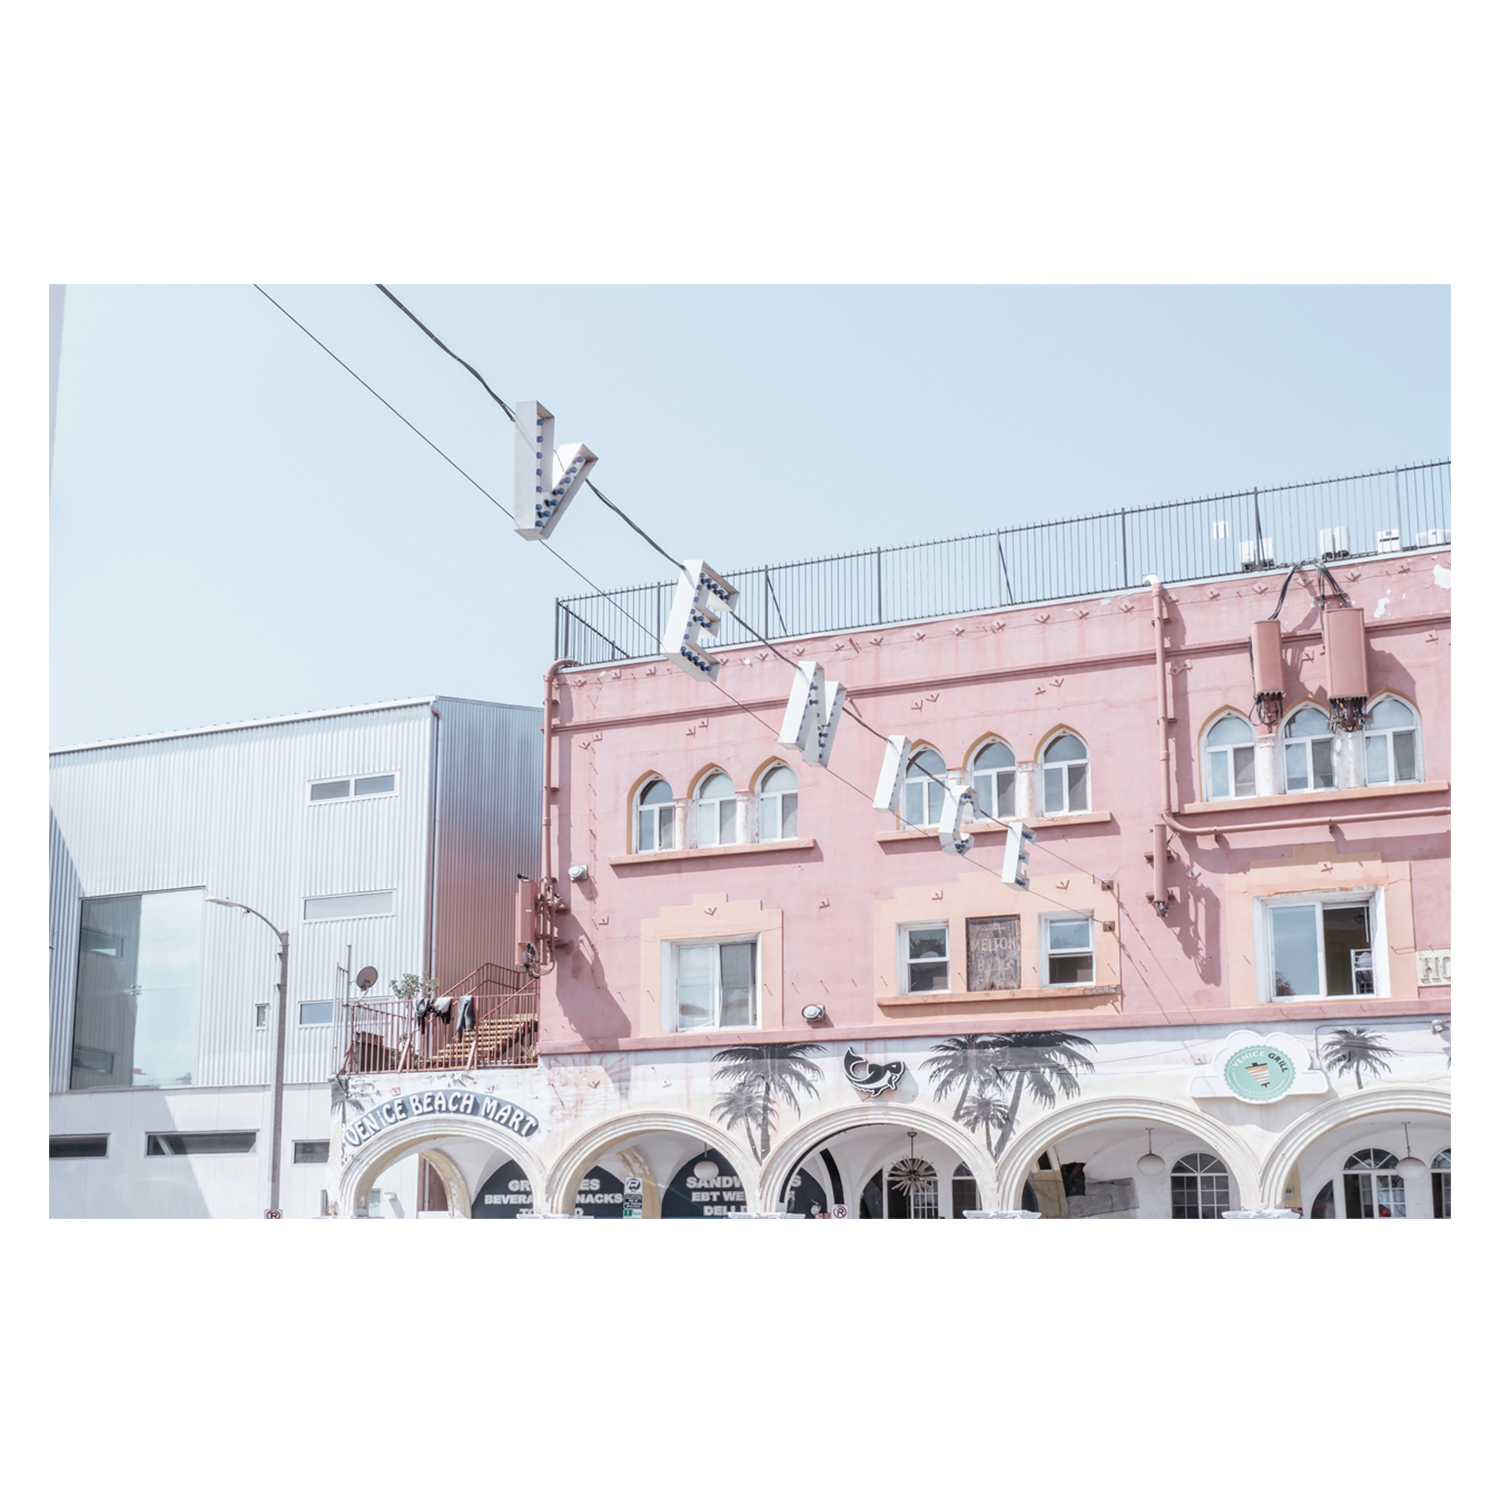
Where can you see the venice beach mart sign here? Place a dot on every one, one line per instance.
(440, 1102)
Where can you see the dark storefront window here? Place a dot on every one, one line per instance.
(68, 1147)
(1200, 1187)
(1373, 1189)
(965, 1191)
(202, 1143)
(1442, 1185)
(706, 1187)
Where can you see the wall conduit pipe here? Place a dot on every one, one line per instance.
(1169, 820)
(547, 898)
(548, 683)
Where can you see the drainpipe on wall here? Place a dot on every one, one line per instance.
(549, 905)
(434, 833)
(1159, 894)
(548, 682)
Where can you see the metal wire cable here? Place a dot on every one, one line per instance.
(446, 350)
(978, 865)
(911, 758)
(644, 535)
(376, 394)
(493, 501)
(649, 541)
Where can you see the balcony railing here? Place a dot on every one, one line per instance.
(1392, 510)
(384, 1036)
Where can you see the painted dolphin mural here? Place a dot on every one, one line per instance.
(875, 1078)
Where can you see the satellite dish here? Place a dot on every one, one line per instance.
(365, 978)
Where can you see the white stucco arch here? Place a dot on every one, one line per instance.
(358, 1174)
(1015, 1164)
(1297, 1138)
(790, 1149)
(617, 1131)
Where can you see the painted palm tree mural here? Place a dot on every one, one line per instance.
(983, 1107)
(992, 1072)
(761, 1079)
(1356, 1050)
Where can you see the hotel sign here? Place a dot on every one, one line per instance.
(453, 1102)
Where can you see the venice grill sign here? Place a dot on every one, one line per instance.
(1259, 1074)
(440, 1102)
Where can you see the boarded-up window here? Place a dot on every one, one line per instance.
(994, 953)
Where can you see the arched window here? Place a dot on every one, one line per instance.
(1229, 753)
(1065, 776)
(1322, 1207)
(1442, 1185)
(1200, 1187)
(1390, 743)
(778, 804)
(717, 808)
(655, 825)
(911, 1189)
(1373, 1188)
(924, 789)
(994, 780)
(965, 1190)
(1307, 744)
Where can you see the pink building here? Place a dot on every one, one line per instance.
(1225, 988)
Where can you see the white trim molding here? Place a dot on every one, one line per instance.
(1015, 1166)
(358, 1174)
(1295, 1139)
(790, 1149)
(619, 1130)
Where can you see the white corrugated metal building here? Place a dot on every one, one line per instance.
(387, 835)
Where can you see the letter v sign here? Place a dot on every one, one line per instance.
(545, 480)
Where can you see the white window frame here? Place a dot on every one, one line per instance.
(718, 804)
(669, 963)
(1044, 949)
(933, 786)
(1446, 1186)
(369, 916)
(1390, 748)
(351, 795)
(1382, 1178)
(1208, 752)
(993, 775)
(1043, 765)
(1265, 978)
(657, 810)
(762, 797)
(1285, 741)
(1197, 1175)
(903, 950)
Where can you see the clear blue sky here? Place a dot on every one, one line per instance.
(239, 529)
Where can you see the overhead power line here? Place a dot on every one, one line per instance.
(376, 394)
(446, 350)
(869, 728)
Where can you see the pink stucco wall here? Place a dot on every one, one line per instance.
(1019, 673)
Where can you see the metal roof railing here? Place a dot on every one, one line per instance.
(1250, 530)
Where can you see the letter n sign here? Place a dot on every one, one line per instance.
(545, 479)
(812, 714)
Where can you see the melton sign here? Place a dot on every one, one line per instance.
(440, 1102)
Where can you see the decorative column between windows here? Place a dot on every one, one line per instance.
(1025, 789)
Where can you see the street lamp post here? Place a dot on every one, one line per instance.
(274, 1211)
